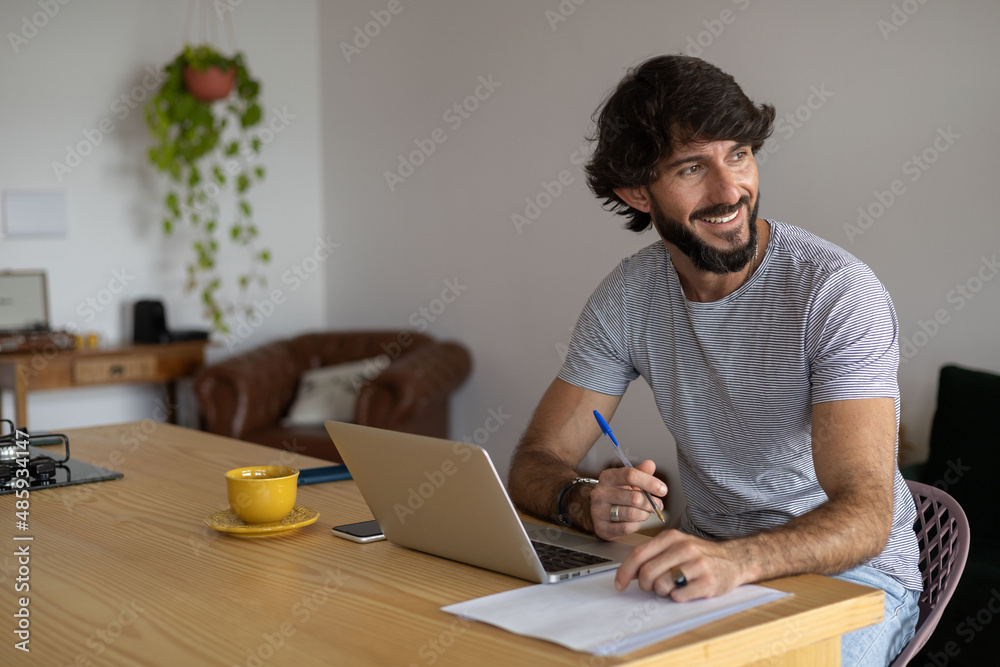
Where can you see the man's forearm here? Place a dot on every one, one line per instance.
(537, 477)
(559, 435)
(831, 538)
(853, 454)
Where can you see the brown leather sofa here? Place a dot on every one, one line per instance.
(246, 396)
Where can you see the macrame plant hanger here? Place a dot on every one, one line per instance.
(211, 84)
(206, 24)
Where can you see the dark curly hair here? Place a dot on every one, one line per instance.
(663, 103)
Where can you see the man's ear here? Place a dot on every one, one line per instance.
(637, 198)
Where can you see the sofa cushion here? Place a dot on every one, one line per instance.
(331, 392)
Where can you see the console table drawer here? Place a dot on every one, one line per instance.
(114, 369)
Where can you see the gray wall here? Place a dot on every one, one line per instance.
(889, 107)
(80, 73)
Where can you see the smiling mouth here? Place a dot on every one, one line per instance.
(722, 219)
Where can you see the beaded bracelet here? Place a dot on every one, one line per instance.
(562, 516)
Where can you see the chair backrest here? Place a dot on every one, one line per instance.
(943, 535)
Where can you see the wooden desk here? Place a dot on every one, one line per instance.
(63, 369)
(125, 573)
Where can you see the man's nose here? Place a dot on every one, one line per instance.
(726, 187)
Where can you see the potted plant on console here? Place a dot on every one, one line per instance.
(201, 120)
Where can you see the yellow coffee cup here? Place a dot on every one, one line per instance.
(262, 494)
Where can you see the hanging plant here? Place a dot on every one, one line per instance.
(203, 141)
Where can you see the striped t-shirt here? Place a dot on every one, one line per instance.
(735, 379)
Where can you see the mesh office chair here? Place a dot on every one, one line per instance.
(943, 535)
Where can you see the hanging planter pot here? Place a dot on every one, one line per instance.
(206, 150)
(214, 83)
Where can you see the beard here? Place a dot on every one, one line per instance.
(703, 256)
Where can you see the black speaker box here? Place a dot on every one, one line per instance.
(149, 323)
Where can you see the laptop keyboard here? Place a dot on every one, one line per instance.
(556, 559)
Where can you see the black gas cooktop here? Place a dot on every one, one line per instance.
(45, 468)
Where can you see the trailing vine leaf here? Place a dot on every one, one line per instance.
(251, 117)
(188, 146)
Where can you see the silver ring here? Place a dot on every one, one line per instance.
(614, 513)
(677, 574)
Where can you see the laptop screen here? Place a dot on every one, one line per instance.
(23, 303)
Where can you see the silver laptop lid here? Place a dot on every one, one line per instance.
(436, 496)
(23, 301)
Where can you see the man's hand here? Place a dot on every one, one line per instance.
(711, 568)
(623, 487)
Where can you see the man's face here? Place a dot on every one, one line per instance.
(704, 202)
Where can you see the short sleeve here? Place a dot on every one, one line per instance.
(598, 358)
(852, 338)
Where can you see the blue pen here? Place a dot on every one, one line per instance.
(607, 431)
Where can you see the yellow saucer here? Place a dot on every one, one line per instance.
(227, 522)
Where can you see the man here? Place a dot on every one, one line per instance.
(772, 356)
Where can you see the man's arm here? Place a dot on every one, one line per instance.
(561, 432)
(854, 456)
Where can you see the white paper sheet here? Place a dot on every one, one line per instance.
(588, 614)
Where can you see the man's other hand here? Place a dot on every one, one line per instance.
(710, 568)
(622, 487)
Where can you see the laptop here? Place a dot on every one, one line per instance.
(23, 301)
(446, 499)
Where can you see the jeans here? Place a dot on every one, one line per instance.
(880, 644)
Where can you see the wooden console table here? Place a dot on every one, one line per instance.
(63, 369)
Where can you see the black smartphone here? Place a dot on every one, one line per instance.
(363, 531)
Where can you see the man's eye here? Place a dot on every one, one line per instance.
(690, 170)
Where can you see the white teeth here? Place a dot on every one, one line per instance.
(721, 220)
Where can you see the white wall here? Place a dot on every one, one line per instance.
(879, 96)
(66, 80)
